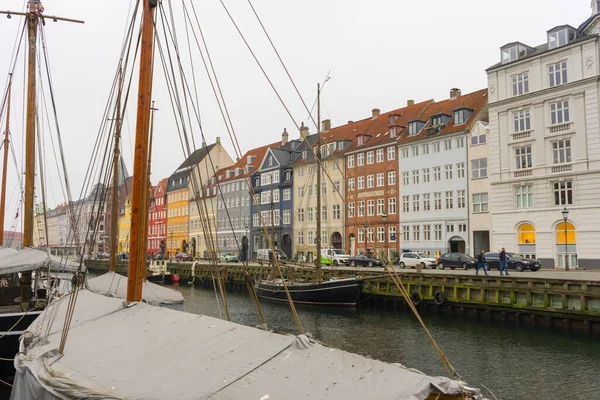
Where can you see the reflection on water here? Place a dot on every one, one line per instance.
(514, 362)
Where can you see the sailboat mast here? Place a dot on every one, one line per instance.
(32, 28)
(114, 209)
(5, 166)
(318, 159)
(139, 207)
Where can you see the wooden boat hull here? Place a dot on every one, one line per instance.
(339, 293)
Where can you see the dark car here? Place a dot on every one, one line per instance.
(183, 257)
(364, 261)
(456, 260)
(158, 256)
(514, 260)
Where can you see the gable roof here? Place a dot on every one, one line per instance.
(258, 154)
(476, 101)
(195, 158)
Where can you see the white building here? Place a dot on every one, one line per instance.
(433, 175)
(545, 146)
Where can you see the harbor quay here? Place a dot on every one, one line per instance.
(569, 300)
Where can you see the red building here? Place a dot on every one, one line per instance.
(157, 219)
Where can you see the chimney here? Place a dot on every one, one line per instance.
(454, 93)
(325, 125)
(284, 137)
(375, 112)
(410, 103)
(350, 122)
(218, 140)
(303, 132)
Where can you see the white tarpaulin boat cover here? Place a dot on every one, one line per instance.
(30, 258)
(137, 351)
(115, 285)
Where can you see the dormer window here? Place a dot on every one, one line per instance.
(415, 127)
(437, 120)
(340, 145)
(560, 36)
(514, 51)
(461, 115)
(324, 151)
(304, 154)
(361, 139)
(270, 161)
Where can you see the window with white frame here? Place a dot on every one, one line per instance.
(391, 178)
(392, 233)
(351, 184)
(426, 202)
(437, 200)
(334, 165)
(255, 220)
(404, 153)
(361, 235)
(425, 175)
(350, 210)
(447, 144)
(336, 214)
(563, 193)
(405, 178)
(480, 202)
(462, 227)
(391, 205)
(521, 120)
(361, 208)
(523, 157)
(406, 233)
(324, 188)
(287, 217)
(559, 112)
(478, 139)
(520, 84)
(276, 196)
(361, 182)
(311, 237)
(413, 128)
(448, 170)
(300, 238)
(415, 176)
(479, 168)
(380, 234)
(310, 190)
(557, 73)
(350, 161)
(360, 159)
(425, 149)
(436, 147)
(560, 38)
(460, 116)
(460, 170)
(380, 206)
(427, 233)
(561, 151)
(415, 151)
(437, 174)
(370, 235)
(524, 196)
(324, 213)
(380, 179)
(416, 202)
(337, 186)
(460, 142)
(461, 199)
(438, 231)
(370, 207)
(405, 204)
(391, 153)
(379, 155)
(416, 233)
(449, 200)
(311, 169)
(450, 228)
(370, 157)
(301, 215)
(311, 214)
(324, 237)
(370, 181)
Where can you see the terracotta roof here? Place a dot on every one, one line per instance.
(476, 101)
(258, 153)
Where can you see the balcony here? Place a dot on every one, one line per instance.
(557, 169)
(521, 135)
(560, 128)
(522, 173)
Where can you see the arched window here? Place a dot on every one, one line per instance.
(526, 234)
(570, 233)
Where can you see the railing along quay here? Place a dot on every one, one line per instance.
(569, 303)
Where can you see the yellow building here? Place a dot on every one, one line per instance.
(124, 224)
(203, 216)
(185, 183)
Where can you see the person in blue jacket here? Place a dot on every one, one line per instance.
(481, 262)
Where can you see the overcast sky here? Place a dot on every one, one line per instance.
(380, 53)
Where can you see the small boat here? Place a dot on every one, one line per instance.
(335, 292)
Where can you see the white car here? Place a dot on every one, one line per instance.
(413, 259)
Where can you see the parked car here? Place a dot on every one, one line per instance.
(263, 254)
(225, 257)
(514, 260)
(456, 260)
(334, 256)
(413, 259)
(104, 256)
(183, 257)
(365, 261)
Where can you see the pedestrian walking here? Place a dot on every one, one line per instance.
(503, 263)
(481, 263)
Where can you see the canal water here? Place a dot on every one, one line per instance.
(513, 361)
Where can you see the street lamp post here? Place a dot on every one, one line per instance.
(246, 246)
(384, 217)
(365, 226)
(565, 214)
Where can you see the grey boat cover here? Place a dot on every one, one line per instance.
(116, 350)
(115, 285)
(30, 258)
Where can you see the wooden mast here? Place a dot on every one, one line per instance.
(139, 207)
(148, 192)
(5, 166)
(114, 209)
(318, 159)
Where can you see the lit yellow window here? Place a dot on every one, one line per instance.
(560, 233)
(526, 234)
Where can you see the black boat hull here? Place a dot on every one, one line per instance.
(339, 293)
(12, 326)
